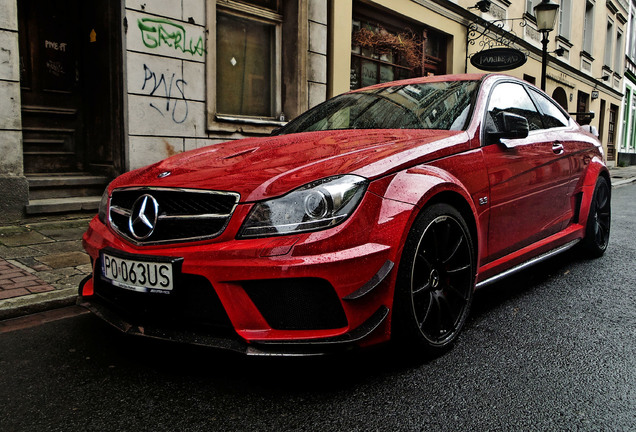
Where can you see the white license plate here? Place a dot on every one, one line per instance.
(138, 275)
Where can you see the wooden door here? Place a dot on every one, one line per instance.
(50, 77)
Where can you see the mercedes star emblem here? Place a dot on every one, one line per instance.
(143, 217)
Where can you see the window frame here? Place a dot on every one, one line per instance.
(491, 91)
(431, 65)
(609, 43)
(229, 122)
(588, 27)
(536, 97)
(619, 52)
(565, 19)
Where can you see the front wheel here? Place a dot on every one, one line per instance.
(597, 231)
(435, 281)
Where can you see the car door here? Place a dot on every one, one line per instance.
(564, 131)
(528, 176)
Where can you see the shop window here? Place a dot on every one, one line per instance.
(626, 109)
(633, 145)
(383, 51)
(611, 132)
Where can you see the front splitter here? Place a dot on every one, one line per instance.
(302, 347)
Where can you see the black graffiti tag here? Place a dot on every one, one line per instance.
(158, 85)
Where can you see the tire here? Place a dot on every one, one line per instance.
(435, 282)
(597, 229)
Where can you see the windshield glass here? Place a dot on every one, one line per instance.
(437, 105)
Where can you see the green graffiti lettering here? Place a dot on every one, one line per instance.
(156, 32)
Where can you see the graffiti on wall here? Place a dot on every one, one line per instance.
(156, 32)
(172, 89)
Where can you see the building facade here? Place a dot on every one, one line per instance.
(627, 132)
(95, 89)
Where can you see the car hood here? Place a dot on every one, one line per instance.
(260, 168)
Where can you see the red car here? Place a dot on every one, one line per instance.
(372, 216)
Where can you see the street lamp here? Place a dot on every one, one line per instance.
(545, 13)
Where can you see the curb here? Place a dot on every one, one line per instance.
(623, 182)
(33, 303)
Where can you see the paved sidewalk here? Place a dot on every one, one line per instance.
(42, 262)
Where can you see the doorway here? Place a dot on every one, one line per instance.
(71, 86)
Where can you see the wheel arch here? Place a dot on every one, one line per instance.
(458, 201)
(595, 170)
(428, 185)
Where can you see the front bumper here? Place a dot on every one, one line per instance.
(261, 285)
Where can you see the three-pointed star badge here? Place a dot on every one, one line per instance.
(143, 217)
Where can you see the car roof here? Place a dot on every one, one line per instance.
(428, 79)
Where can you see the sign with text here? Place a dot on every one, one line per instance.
(498, 59)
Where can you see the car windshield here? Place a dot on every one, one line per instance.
(436, 105)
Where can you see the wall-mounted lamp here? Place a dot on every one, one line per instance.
(560, 52)
(604, 78)
(482, 5)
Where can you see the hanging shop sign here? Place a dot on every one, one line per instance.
(498, 59)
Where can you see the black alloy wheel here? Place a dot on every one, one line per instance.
(435, 280)
(597, 231)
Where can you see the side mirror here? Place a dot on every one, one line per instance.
(510, 126)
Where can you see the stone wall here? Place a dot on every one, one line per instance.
(166, 79)
(14, 191)
(166, 88)
(317, 73)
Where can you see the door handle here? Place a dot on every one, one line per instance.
(557, 148)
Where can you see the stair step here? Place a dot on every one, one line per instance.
(48, 181)
(43, 186)
(61, 205)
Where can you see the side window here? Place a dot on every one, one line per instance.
(552, 115)
(512, 98)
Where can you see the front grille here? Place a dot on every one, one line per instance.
(297, 303)
(170, 215)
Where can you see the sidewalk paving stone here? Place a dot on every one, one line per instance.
(41, 265)
(19, 251)
(24, 238)
(57, 247)
(5, 294)
(30, 264)
(64, 259)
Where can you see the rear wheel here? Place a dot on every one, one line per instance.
(597, 231)
(435, 281)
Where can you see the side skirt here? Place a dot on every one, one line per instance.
(527, 264)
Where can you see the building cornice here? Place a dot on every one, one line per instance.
(453, 11)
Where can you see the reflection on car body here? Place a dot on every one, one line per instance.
(371, 217)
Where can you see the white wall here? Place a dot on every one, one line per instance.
(166, 83)
(10, 119)
(165, 79)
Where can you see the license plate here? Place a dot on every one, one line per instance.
(138, 275)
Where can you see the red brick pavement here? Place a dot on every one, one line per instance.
(15, 282)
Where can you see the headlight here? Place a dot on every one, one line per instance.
(315, 206)
(103, 207)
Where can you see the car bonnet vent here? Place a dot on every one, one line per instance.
(165, 215)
